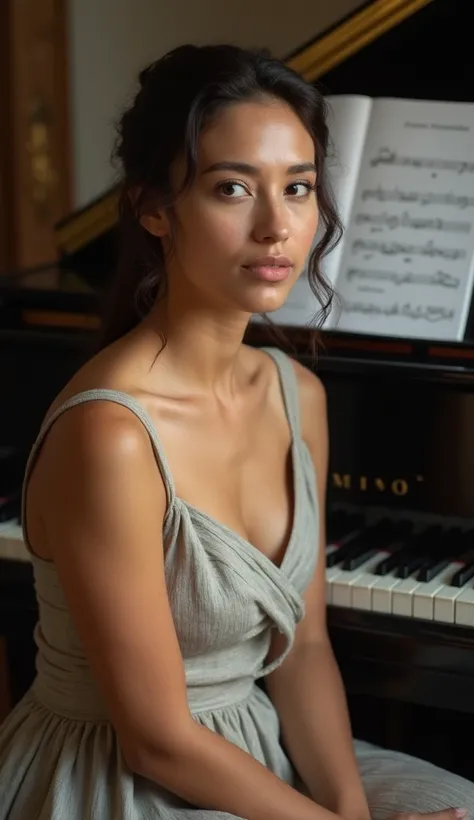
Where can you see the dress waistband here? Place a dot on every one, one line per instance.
(81, 700)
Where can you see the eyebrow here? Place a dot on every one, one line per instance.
(245, 168)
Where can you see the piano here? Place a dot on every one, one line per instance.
(400, 517)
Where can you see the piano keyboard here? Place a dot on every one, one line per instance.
(388, 568)
(382, 568)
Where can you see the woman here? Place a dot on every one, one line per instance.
(173, 500)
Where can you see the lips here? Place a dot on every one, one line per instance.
(270, 268)
(270, 262)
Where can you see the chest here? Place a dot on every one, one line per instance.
(240, 474)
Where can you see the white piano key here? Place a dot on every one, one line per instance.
(464, 607)
(12, 547)
(402, 597)
(331, 575)
(445, 604)
(382, 592)
(343, 584)
(427, 594)
(364, 584)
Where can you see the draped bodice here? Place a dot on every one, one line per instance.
(225, 595)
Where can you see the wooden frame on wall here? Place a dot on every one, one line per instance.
(35, 154)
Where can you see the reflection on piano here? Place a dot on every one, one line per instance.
(400, 518)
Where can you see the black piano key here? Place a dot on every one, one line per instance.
(379, 537)
(430, 569)
(409, 565)
(356, 544)
(389, 563)
(411, 557)
(463, 575)
(348, 531)
(356, 561)
(342, 551)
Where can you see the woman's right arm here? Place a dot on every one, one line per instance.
(103, 503)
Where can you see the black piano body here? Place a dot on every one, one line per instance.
(401, 412)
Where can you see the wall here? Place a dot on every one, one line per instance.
(110, 40)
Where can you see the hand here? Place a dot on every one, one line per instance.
(445, 814)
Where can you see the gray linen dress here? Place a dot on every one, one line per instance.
(59, 756)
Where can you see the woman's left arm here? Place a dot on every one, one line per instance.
(307, 689)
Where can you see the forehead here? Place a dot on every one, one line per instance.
(260, 133)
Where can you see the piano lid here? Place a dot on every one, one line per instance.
(418, 49)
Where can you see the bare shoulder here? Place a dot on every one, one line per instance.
(88, 458)
(311, 394)
(100, 431)
(313, 405)
(310, 386)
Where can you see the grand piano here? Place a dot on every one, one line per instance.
(400, 546)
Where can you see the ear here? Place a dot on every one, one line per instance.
(156, 223)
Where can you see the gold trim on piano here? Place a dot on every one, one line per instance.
(349, 37)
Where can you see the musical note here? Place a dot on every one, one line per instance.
(388, 157)
(397, 248)
(428, 313)
(406, 180)
(380, 194)
(394, 221)
(438, 279)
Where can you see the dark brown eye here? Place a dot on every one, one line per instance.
(300, 189)
(232, 189)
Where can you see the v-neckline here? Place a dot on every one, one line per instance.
(244, 542)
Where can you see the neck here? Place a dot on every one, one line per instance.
(203, 341)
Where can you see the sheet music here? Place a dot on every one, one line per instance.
(348, 120)
(408, 260)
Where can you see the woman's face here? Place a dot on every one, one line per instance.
(244, 229)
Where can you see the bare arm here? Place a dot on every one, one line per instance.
(103, 503)
(307, 689)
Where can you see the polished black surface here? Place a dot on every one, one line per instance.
(426, 56)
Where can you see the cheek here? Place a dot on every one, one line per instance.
(217, 231)
(308, 227)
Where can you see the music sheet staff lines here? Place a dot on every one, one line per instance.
(405, 220)
(406, 249)
(428, 313)
(386, 156)
(438, 279)
(403, 181)
(379, 194)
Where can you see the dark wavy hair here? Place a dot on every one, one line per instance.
(179, 94)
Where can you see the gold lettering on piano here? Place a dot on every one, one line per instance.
(341, 481)
(399, 486)
(366, 483)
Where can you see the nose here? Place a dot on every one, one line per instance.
(271, 223)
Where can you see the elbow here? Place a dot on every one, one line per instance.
(155, 760)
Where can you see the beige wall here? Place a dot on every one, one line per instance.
(111, 39)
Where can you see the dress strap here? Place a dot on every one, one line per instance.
(101, 395)
(289, 388)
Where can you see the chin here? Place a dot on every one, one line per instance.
(269, 300)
